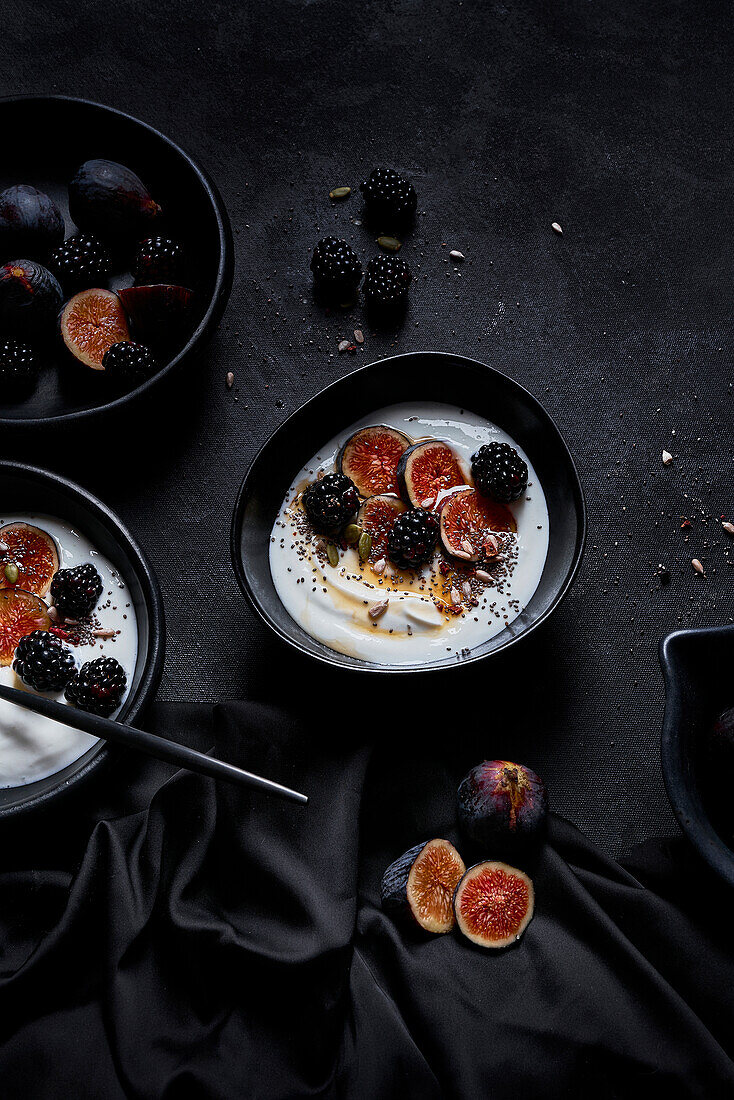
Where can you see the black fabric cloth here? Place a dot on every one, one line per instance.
(193, 940)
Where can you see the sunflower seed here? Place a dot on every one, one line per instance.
(491, 546)
(697, 566)
(466, 589)
(456, 255)
(378, 609)
(556, 228)
(728, 527)
(466, 545)
(343, 345)
(391, 244)
(461, 554)
(340, 193)
(359, 335)
(455, 596)
(333, 555)
(481, 575)
(667, 458)
(428, 502)
(53, 613)
(379, 566)
(230, 380)
(104, 633)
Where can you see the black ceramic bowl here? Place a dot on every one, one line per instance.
(431, 376)
(45, 139)
(697, 668)
(27, 489)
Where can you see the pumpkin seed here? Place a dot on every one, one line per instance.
(11, 572)
(728, 527)
(378, 609)
(340, 193)
(391, 244)
(365, 545)
(332, 554)
(352, 534)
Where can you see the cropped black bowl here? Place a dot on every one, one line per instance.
(28, 489)
(697, 668)
(45, 139)
(431, 376)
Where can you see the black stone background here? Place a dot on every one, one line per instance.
(613, 119)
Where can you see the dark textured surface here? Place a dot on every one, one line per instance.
(612, 119)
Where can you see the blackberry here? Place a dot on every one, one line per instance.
(19, 365)
(43, 662)
(129, 363)
(76, 591)
(98, 686)
(390, 199)
(80, 262)
(158, 260)
(386, 282)
(499, 472)
(413, 539)
(336, 268)
(330, 502)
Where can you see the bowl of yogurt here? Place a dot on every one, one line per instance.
(422, 513)
(81, 621)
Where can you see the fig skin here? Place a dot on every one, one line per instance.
(494, 903)
(30, 298)
(30, 223)
(368, 481)
(414, 493)
(502, 806)
(109, 200)
(161, 315)
(400, 885)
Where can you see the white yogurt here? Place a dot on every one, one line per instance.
(331, 604)
(31, 746)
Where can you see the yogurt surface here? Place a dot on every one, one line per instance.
(420, 624)
(32, 746)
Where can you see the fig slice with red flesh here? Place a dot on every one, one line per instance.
(370, 458)
(426, 470)
(33, 552)
(494, 904)
(20, 614)
(91, 322)
(377, 516)
(468, 525)
(421, 884)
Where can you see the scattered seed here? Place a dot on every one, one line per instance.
(556, 228)
(340, 193)
(667, 458)
(428, 502)
(466, 589)
(455, 596)
(352, 534)
(230, 380)
(333, 555)
(456, 255)
(697, 566)
(728, 527)
(379, 566)
(11, 572)
(378, 609)
(365, 545)
(390, 244)
(359, 335)
(481, 575)
(343, 345)
(466, 545)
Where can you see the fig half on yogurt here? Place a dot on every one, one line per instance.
(427, 469)
(370, 458)
(469, 523)
(419, 887)
(502, 805)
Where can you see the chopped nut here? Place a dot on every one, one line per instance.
(103, 633)
(230, 379)
(456, 255)
(466, 589)
(667, 458)
(53, 613)
(379, 566)
(455, 596)
(728, 527)
(697, 566)
(359, 335)
(491, 546)
(343, 345)
(556, 228)
(378, 609)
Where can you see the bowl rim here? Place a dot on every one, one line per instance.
(153, 668)
(684, 801)
(222, 283)
(335, 661)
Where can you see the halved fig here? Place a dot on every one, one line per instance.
(161, 315)
(370, 458)
(427, 469)
(420, 886)
(494, 904)
(91, 322)
(34, 554)
(468, 523)
(20, 614)
(377, 516)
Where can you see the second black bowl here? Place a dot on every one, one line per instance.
(428, 376)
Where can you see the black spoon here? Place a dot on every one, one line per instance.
(170, 751)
